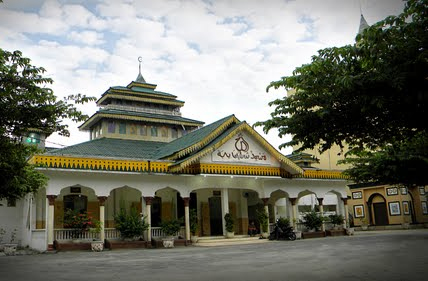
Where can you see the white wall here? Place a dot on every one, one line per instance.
(10, 219)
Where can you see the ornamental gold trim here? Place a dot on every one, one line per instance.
(87, 163)
(134, 98)
(322, 174)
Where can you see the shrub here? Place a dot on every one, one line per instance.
(283, 223)
(193, 218)
(171, 227)
(263, 220)
(130, 226)
(312, 220)
(230, 223)
(336, 219)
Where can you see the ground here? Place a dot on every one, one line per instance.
(375, 255)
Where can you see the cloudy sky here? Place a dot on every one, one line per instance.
(216, 55)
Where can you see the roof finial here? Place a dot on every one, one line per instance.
(140, 77)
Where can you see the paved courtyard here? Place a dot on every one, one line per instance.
(387, 255)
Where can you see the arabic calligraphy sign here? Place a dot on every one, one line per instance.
(241, 150)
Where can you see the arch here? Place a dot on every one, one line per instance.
(377, 210)
(76, 198)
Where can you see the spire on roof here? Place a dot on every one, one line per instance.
(140, 77)
(363, 24)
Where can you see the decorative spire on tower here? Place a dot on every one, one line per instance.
(140, 77)
(363, 24)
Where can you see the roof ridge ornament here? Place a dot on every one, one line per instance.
(140, 77)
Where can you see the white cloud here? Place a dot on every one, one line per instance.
(86, 37)
(217, 56)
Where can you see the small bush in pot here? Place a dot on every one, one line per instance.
(230, 222)
(171, 227)
(312, 220)
(130, 226)
(336, 220)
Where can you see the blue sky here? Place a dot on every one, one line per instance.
(217, 56)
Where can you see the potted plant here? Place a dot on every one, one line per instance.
(131, 226)
(336, 220)
(193, 220)
(10, 249)
(312, 221)
(97, 245)
(264, 223)
(79, 223)
(230, 225)
(170, 229)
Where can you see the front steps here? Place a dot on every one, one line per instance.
(210, 241)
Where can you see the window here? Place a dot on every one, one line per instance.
(133, 129)
(174, 133)
(111, 127)
(33, 138)
(164, 132)
(122, 128)
(154, 131)
(143, 130)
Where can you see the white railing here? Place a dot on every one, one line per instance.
(69, 234)
(111, 233)
(157, 232)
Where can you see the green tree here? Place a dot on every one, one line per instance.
(28, 104)
(371, 95)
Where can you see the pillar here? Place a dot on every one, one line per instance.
(294, 214)
(187, 217)
(320, 203)
(102, 200)
(266, 207)
(224, 207)
(346, 220)
(149, 200)
(50, 222)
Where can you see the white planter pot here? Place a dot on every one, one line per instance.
(97, 246)
(265, 235)
(194, 239)
(350, 231)
(298, 234)
(230, 234)
(168, 242)
(364, 227)
(10, 249)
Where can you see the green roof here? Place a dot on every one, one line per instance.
(189, 139)
(114, 148)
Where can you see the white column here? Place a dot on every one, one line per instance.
(187, 217)
(294, 214)
(102, 200)
(224, 207)
(320, 202)
(149, 217)
(345, 203)
(50, 222)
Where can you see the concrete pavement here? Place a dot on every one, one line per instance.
(384, 255)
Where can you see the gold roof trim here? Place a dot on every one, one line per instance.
(134, 98)
(204, 141)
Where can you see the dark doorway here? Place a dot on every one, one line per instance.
(78, 203)
(156, 211)
(216, 222)
(380, 213)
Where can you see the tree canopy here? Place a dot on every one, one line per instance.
(371, 96)
(27, 104)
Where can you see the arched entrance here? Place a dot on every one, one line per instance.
(378, 214)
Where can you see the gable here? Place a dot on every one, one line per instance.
(241, 149)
